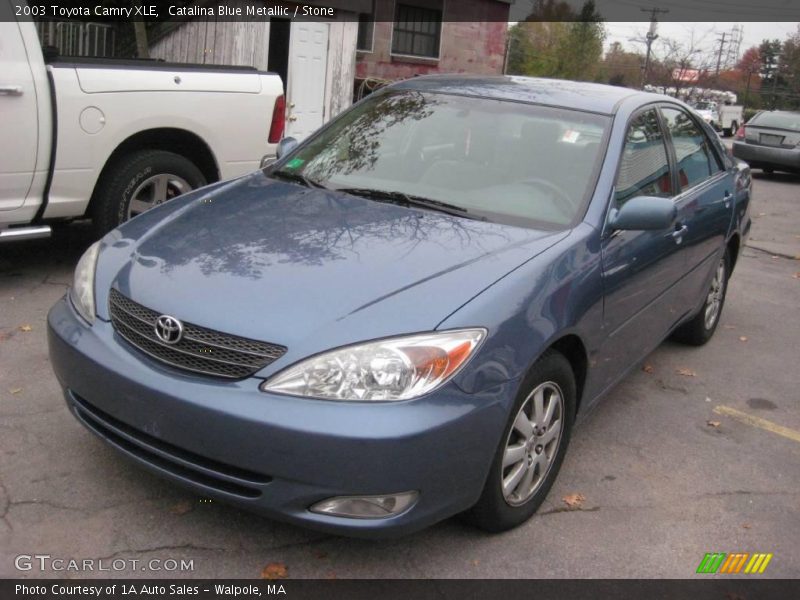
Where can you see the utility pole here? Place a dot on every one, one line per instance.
(719, 54)
(651, 37)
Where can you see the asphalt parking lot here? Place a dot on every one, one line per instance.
(698, 451)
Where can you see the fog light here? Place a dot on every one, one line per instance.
(366, 507)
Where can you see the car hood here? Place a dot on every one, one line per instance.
(307, 268)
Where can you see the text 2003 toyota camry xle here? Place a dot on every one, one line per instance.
(401, 318)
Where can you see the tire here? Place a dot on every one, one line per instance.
(135, 180)
(701, 328)
(734, 128)
(497, 510)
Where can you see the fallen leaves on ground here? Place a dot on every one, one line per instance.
(15, 390)
(182, 507)
(742, 338)
(729, 326)
(4, 335)
(746, 525)
(476, 562)
(796, 275)
(275, 571)
(320, 554)
(648, 368)
(686, 372)
(26, 328)
(713, 423)
(574, 500)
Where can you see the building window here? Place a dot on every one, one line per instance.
(416, 31)
(366, 30)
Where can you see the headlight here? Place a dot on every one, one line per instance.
(392, 369)
(82, 292)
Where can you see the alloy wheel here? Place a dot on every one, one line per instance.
(156, 190)
(532, 443)
(715, 296)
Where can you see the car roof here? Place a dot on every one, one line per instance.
(577, 95)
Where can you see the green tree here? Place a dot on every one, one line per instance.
(555, 42)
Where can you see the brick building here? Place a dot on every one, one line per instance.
(416, 37)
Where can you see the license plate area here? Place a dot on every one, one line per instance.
(769, 139)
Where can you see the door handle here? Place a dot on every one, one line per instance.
(292, 118)
(678, 234)
(11, 90)
(727, 199)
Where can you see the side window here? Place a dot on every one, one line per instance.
(696, 159)
(644, 168)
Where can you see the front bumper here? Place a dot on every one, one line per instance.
(767, 156)
(273, 454)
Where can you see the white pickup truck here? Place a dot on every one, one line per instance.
(108, 139)
(725, 117)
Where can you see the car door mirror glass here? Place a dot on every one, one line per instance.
(285, 146)
(644, 212)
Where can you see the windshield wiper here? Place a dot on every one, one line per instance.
(297, 178)
(404, 199)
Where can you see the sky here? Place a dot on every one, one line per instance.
(706, 35)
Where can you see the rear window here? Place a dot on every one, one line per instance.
(780, 120)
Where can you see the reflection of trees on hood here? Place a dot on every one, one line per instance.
(262, 225)
(356, 143)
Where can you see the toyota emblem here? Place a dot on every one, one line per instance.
(168, 329)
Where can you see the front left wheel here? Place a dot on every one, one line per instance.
(532, 446)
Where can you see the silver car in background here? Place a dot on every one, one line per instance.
(770, 141)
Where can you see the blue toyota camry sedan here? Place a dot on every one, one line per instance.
(402, 317)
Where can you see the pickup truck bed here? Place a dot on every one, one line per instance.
(108, 138)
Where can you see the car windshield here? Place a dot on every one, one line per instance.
(779, 120)
(704, 106)
(505, 162)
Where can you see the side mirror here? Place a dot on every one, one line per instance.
(644, 212)
(285, 146)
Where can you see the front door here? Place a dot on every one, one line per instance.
(18, 117)
(640, 268)
(308, 58)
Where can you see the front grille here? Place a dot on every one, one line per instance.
(200, 350)
(167, 457)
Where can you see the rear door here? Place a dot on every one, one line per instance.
(704, 201)
(19, 132)
(640, 268)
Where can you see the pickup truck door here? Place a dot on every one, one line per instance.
(704, 201)
(18, 115)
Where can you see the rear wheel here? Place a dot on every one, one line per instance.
(532, 446)
(702, 327)
(139, 181)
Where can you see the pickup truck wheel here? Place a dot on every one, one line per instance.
(139, 181)
(703, 325)
(531, 448)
